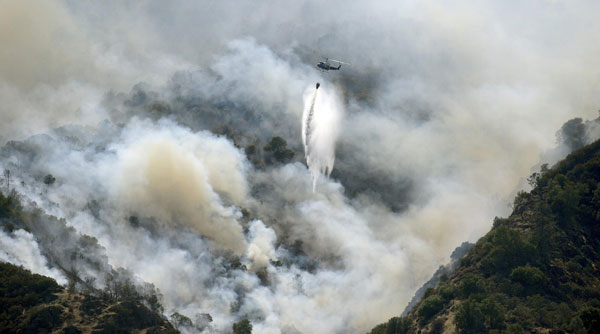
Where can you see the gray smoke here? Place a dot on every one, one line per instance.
(153, 119)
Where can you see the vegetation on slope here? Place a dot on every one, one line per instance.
(31, 303)
(537, 271)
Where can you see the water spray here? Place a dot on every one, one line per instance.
(320, 123)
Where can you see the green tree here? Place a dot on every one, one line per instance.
(509, 250)
(469, 318)
(591, 320)
(527, 275)
(430, 306)
(471, 284)
(278, 146)
(493, 313)
(576, 326)
(596, 202)
(49, 179)
(564, 197)
(398, 325)
(10, 207)
(514, 329)
(242, 327)
(572, 133)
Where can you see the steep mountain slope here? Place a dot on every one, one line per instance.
(31, 303)
(537, 271)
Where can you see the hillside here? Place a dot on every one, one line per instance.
(31, 303)
(537, 271)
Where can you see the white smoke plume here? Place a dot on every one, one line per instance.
(261, 249)
(20, 248)
(320, 129)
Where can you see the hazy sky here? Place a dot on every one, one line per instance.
(446, 107)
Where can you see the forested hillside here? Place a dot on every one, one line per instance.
(537, 271)
(31, 303)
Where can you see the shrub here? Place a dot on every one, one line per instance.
(47, 318)
(527, 275)
(493, 313)
(591, 319)
(430, 306)
(469, 318)
(576, 326)
(514, 329)
(509, 250)
(471, 284)
(446, 291)
(437, 326)
(398, 325)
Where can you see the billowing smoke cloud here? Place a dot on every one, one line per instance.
(261, 250)
(57, 71)
(320, 128)
(447, 106)
(176, 176)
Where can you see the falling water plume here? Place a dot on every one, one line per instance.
(320, 127)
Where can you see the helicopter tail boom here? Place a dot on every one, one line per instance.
(339, 61)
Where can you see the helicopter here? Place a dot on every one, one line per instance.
(325, 66)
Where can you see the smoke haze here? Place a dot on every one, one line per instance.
(153, 117)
